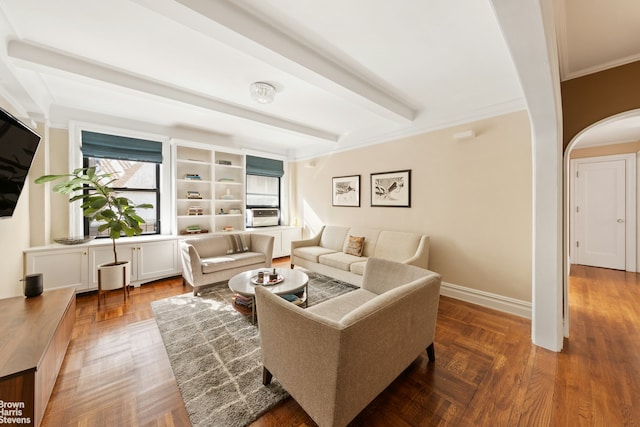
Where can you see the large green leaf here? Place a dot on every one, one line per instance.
(97, 202)
(48, 178)
(115, 214)
(136, 218)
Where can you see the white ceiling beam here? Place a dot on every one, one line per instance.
(296, 56)
(42, 56)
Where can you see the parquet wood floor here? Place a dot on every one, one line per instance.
(487, 372)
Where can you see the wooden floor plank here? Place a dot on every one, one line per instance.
(487, 372)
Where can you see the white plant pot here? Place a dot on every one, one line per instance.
(112, 276)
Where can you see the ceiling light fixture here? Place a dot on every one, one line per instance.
(263, 92)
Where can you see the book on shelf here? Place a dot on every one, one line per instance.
(292, 298)
(226, 180)
(193, 195)
(243, 298)
(243, 301)
(224, 162)
(194, 231)
(195, 210)
(192, 176)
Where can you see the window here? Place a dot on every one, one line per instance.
(263, 191)
(263, 182)
(135, 166)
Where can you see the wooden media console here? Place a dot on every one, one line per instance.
(34, 335)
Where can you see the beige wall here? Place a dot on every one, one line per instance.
(14, 235)
(29, 225)
(473, 197)
(59, 164)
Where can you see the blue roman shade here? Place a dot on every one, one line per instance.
(264, 167)
(105, 146)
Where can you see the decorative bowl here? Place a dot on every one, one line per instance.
(73, 240)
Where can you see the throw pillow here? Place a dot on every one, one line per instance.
(236, 244)
(355, 246)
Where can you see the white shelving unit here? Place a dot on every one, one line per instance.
(229, 191)
(209, 190)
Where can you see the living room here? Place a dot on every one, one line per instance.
(473, 187)
(468, 220)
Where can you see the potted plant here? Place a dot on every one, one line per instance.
(116, 215)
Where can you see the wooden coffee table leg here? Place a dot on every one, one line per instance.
(253, 310)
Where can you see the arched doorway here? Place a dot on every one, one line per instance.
(618, 130)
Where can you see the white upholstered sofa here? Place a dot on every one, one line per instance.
(335, 357)
(326, 252)
(219, 257)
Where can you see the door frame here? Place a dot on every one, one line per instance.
(630, 204)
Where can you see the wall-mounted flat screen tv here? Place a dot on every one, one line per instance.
(18, 146)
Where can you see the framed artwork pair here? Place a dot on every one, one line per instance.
(388, 189)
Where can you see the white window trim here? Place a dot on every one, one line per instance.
(76, 224)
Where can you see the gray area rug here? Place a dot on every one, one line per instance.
(215, 353)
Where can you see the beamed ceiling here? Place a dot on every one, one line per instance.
(347, 73)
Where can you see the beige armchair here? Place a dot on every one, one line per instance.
(334, 358)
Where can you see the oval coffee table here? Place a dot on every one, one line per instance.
(295, 281)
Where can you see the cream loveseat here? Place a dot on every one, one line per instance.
(326, 253)
(219, 257)
(335, 357)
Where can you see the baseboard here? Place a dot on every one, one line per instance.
(486, 299)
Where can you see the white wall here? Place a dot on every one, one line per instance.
(473, 197)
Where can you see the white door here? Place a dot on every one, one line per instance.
(600, 214)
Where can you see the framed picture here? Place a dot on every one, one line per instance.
(391, 189)
(346, 191)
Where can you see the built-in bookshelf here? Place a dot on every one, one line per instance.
(229, 191)
(209, 190)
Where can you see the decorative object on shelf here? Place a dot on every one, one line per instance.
(73, 240)
(262, 92)
(114, 213)
(221, 212)
(194, 231)
(193, 195)
(224, 162)
(193, 176)
(228, 228)
(235, 211)
(228, 195)
(391, 189)
(32, 285)
(346, 191)
(195, 210)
